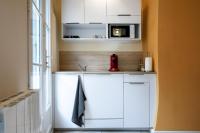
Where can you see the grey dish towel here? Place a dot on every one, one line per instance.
(79, 104)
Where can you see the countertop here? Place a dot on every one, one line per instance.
(105, 72)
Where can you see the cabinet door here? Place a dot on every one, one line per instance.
(95, 11)
(123, 7)
(104, 94)
(136, 105)
(65, 90)
(10, 119)
(72, 11)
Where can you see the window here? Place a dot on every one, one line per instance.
(40, 57)
(36, 47)
(47, 90)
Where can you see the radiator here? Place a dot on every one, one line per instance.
(20, 113)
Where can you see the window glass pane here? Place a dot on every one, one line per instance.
(36, 35)
(48, 88)
(48, 12)
(37, 3)
(36, 74)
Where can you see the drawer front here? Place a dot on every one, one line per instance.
(104, 123)
(136, 78)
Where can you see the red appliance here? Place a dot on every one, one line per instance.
(114, 63)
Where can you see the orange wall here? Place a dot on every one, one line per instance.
(150, 29)
(150, 32)
(179, 65)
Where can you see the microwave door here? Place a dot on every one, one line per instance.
(119, 31)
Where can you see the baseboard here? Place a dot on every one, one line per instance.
(176, 132)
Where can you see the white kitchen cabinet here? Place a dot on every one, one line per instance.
(104, 94)
(124, 11)
(10, 119)
(136, 104)
(95, 11)
(123, 7)
(114, 100)
(72, 11)
(65, 90)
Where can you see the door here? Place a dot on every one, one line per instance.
(104, 94)
(136, 105)
(46, 76)
(40, 61)
(123, 7)
(72, 11)
(95, 11)
(65, 90)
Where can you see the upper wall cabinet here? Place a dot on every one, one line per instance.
(72, 11)
(101, 11)
(123, 11)
(95, 11)
(123, 7)
(89, 19)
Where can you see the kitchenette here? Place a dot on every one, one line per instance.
(104, 73)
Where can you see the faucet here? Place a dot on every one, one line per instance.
(82, 68)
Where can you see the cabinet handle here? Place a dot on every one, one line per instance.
(99, 73)
(136, 74)
(73, 23)
(124, 15)
(95, 23)
(136, 83)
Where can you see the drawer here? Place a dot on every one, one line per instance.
(104, 123)
(136, 78)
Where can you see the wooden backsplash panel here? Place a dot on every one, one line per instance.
(98, 61)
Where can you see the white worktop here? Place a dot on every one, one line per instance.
(107, 72)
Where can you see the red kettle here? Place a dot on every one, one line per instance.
(114, 63)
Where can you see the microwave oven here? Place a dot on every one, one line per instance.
(121, 31)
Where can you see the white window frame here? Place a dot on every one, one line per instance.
(45, 103)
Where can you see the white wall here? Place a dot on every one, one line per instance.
(13, 47)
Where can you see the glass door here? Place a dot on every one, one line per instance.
(40, 59)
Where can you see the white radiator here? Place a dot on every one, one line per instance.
(20, 114)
